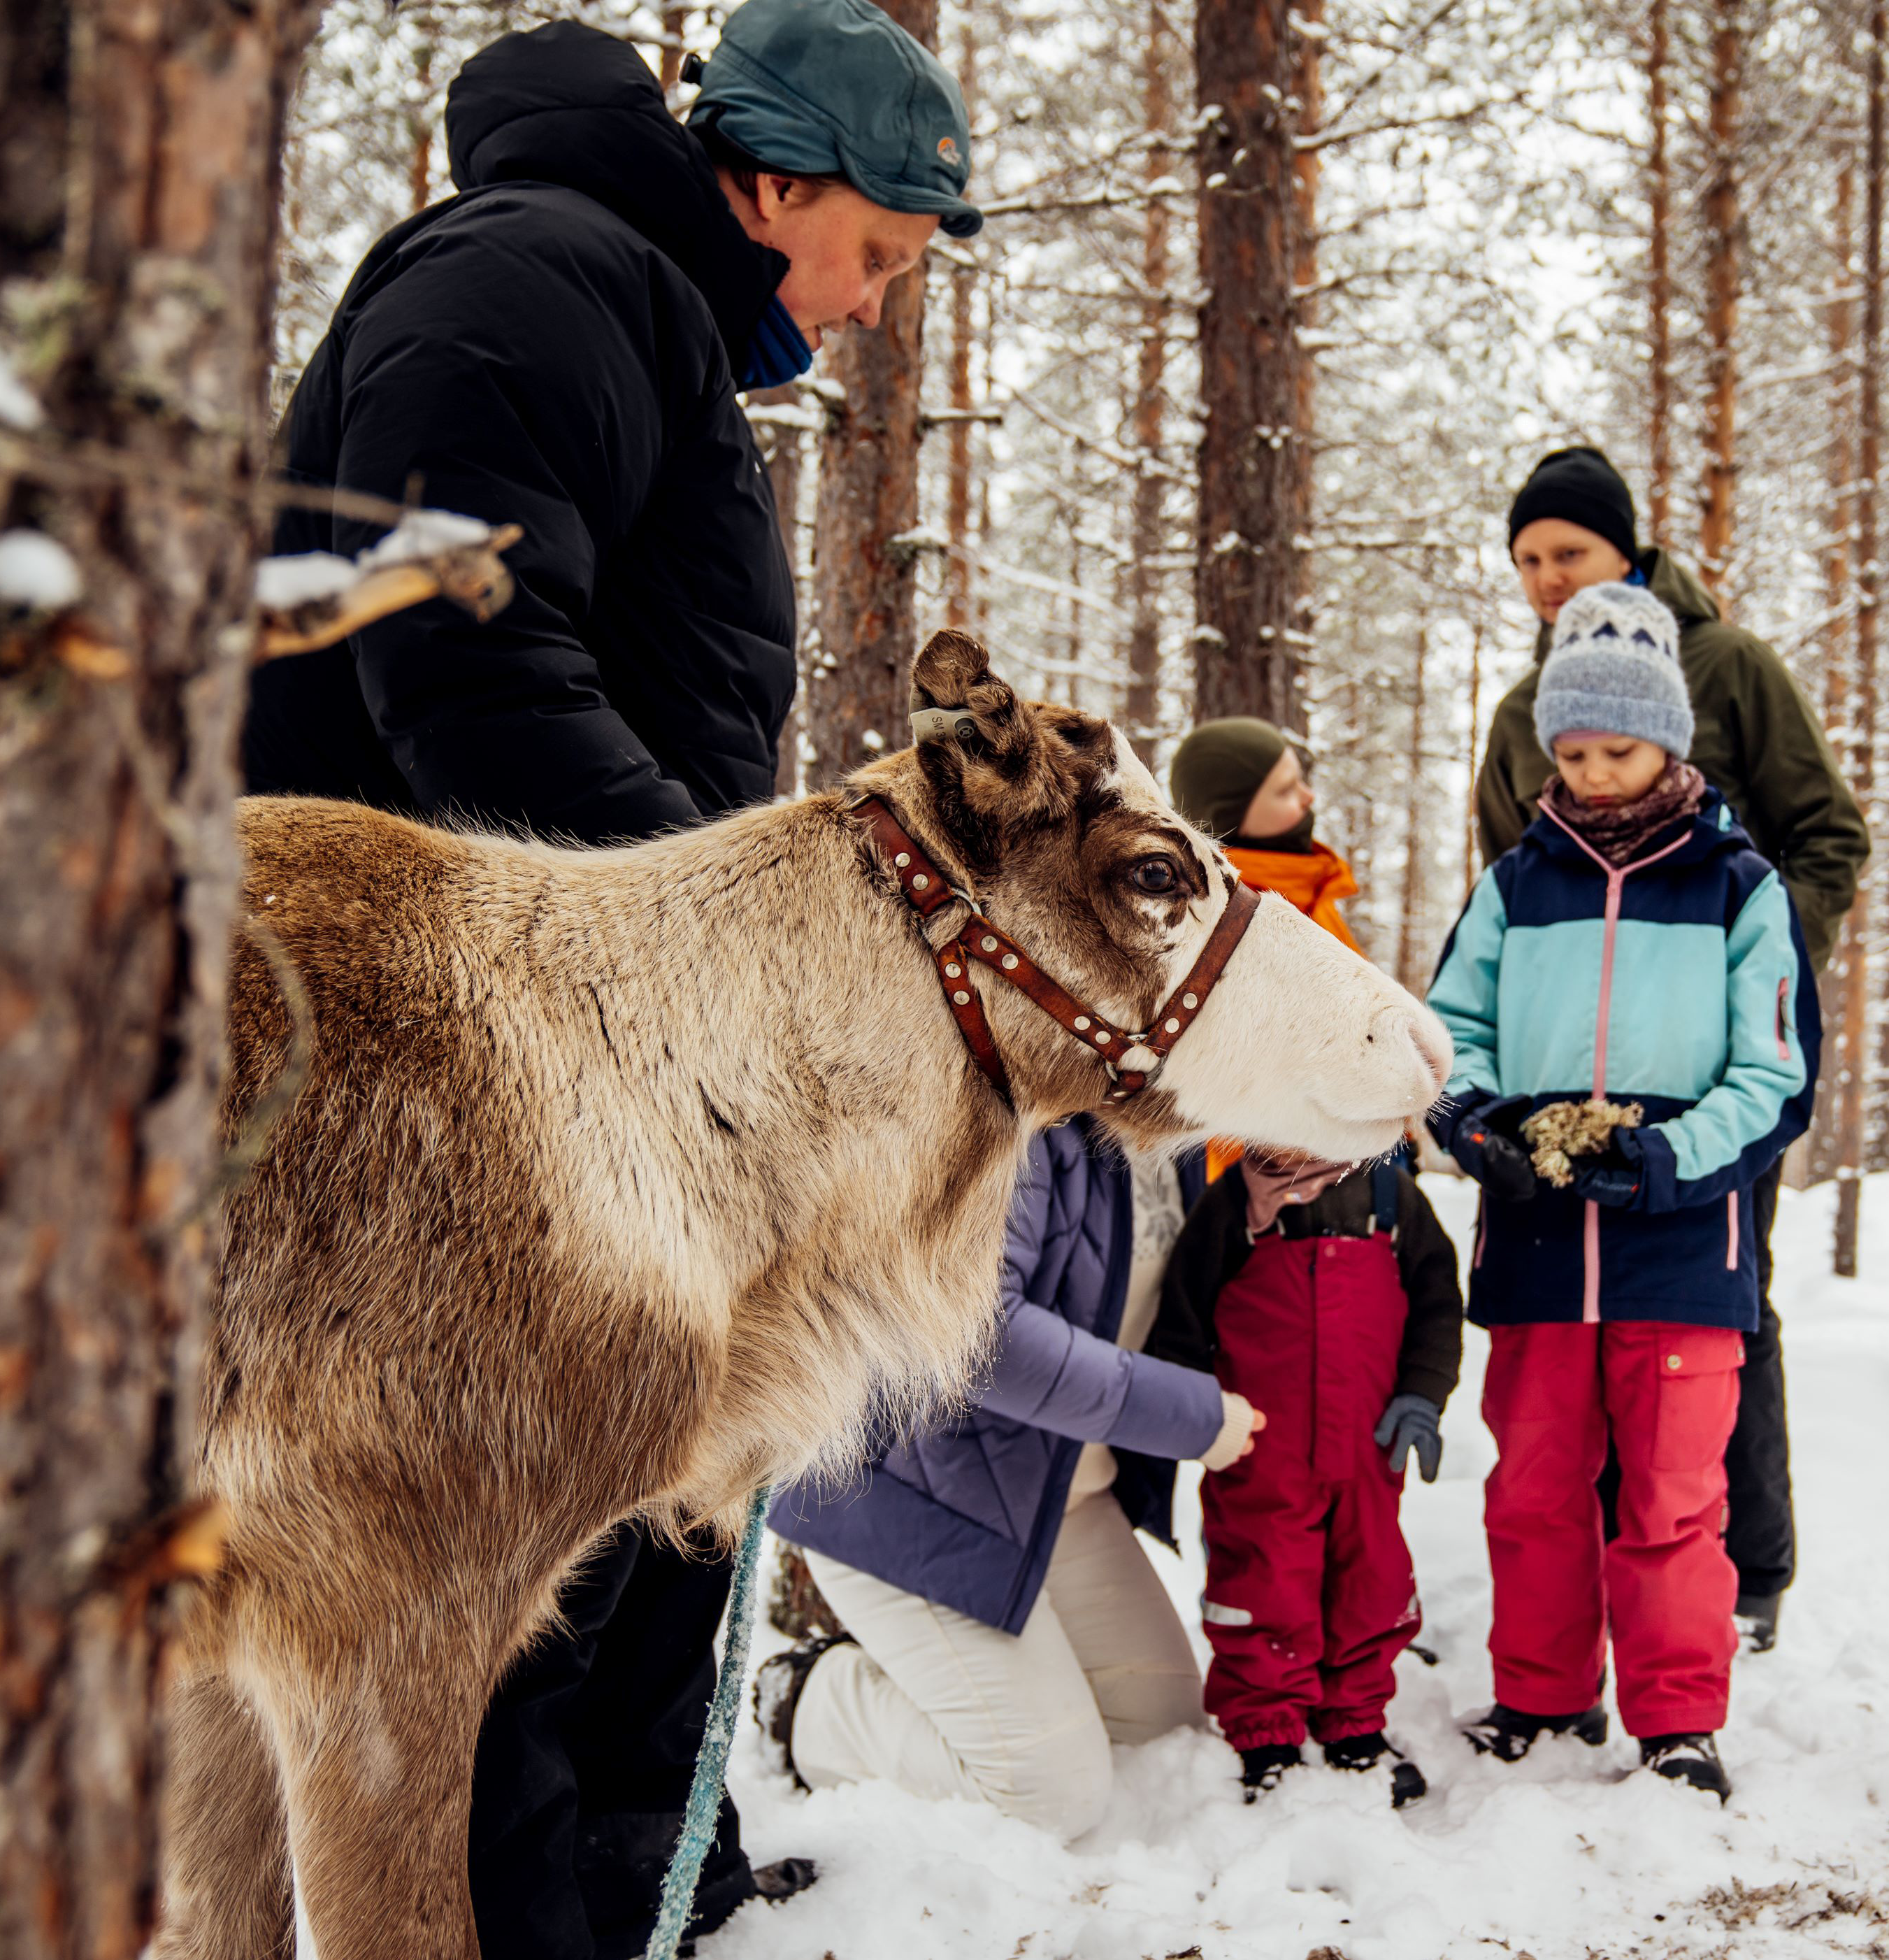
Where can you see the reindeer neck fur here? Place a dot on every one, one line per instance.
(836, 1247)
(675, 1086)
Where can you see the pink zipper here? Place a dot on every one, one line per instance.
(1731, 1232)
(1615, 875)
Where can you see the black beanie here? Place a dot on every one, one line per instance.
(1580, 487)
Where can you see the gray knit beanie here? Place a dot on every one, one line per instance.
(1614, 670)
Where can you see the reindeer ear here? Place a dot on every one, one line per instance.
(950, 665)
(990, 762)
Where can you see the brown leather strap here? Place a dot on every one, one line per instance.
(954, 970)
(999, 951)
(926, 888)
(1177, 1013)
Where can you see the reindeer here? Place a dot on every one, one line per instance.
(624, 1182)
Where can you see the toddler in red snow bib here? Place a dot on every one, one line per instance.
(1633, 949)
(1329, 1299)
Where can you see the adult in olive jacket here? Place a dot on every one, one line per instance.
(1759, 744)
(560, 345)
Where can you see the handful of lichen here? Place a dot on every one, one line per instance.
(1559, 1132)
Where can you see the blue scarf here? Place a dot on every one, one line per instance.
(777, 352)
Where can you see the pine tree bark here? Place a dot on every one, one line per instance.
(1148, 515)
(781, 449)
(1853, 949)
(1659, 276)
(958, 472)
(149, 269)
(1475, 754)
(1715, 528)
(1822, 1147)
(1409, 951)
(865, 573)
(1250, 582)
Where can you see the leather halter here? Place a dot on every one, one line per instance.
(926, 889)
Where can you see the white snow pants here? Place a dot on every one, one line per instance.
(945, 1705)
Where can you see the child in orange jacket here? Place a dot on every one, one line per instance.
(1330, 1300)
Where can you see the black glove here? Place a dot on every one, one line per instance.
(1495, 1161)
(1616, 1177)
(1411, 1422)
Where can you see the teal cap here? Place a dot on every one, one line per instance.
(837, 86)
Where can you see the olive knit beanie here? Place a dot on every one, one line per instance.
(1614, 670)
(1580, 487)
(1217, 769)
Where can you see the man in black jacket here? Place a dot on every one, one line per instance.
(560, 346)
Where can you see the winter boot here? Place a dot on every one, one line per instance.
(1687, 1759)
(1365, 1752)
(1261, 1769)
(1756, 1617)
(779, 1682)
(1508, 1735)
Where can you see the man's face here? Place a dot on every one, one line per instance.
(1556, 559)
(843, 250)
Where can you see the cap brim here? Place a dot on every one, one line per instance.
(956, 217)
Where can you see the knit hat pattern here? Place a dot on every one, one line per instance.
(1614, 670)
(1218, 767)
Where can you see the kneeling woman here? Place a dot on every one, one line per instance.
(1004, 1626)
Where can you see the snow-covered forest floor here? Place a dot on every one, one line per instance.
(1568, 1857)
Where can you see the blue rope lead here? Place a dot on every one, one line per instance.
(711, 1764)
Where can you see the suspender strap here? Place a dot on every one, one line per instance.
(1384, 1197)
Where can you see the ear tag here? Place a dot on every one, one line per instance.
(942, 724)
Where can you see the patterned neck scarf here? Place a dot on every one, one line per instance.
(1621, 832)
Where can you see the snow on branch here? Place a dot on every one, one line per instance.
(303, 602)
(313, 599)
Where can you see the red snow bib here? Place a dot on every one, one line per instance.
(1310, 1594)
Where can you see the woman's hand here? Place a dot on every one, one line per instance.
(1240, 1423)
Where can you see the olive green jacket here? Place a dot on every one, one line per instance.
(1758, 743)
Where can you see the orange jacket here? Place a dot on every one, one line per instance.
(1314, 880)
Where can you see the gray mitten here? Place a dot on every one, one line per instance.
(1412, 1422)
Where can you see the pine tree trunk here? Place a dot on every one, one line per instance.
(781, 450)
(420, 177)
(1823, 1150)
(958, 485)
(1255, 474)
(1853, 949)
(1147, 521)
(1715, 529)
(866, 575)
(1409, 951)
(153, 261)
(1659, 277)
(1475, 747)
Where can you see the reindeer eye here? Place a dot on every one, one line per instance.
(1154, 876)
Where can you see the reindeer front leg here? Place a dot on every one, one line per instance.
(375, 1741)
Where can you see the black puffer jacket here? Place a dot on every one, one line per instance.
(553, 348)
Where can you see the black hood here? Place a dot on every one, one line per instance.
(567, 104)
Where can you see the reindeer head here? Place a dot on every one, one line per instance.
(1049, 817)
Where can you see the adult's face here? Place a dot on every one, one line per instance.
(1280, 803)
(1556, 559)
(842, 250)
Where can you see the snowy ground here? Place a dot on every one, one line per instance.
(1568, 1857)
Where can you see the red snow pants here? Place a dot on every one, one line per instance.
(1310, 1595)
(1665, 1587)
